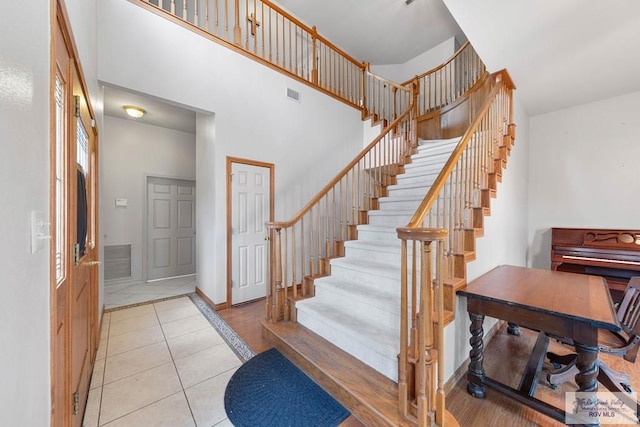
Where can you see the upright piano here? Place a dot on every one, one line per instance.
(612, 254)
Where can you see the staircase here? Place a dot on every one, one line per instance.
(357, 306)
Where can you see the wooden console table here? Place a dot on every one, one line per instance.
(556, 304)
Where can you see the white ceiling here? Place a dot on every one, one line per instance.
(159, 112)
(378, 31)
(559, 53)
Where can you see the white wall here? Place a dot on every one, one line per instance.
(308, 142)
(399, 73)
(24, 174)
(131, 151)
(504, 240)
(584, 170)
(206, 220)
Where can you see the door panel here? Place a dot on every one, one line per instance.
(73, 246)
(250, 209)
(83, 212)
(170, 228)
(61, 395)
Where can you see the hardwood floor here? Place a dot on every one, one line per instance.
(505, 357)
(245, 320)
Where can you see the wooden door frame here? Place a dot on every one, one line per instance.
(230, 162)
(59, 19)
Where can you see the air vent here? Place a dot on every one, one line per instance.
(117, 262)
(293, 95)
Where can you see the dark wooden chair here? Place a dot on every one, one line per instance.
(623, 345)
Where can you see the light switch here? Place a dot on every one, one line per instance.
(40, 231)
(121, 202)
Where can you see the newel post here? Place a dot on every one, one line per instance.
(422, 342)
(274, 292)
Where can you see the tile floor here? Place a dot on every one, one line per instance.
(118, 295)
(160, 364)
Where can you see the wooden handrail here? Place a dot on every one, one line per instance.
(448, 82)
(277, 39)
(438, 67)
(453, 197)
(435, 189)
(323, 192)
(273, 37)
(311, 30)
(300, 248)
(402, 86)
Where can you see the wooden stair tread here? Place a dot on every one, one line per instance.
(369, 395)
(456, 283)
(449, 317)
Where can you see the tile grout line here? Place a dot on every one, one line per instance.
(184, 392)
(104, 369)
(227, 334)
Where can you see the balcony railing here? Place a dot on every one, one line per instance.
(266, 32)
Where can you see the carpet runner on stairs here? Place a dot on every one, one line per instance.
(357, 307)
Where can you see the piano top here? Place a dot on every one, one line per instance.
(601, 247)
(599, 238)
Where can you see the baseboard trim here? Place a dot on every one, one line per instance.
(205, 298)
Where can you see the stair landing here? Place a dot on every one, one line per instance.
(370, 396)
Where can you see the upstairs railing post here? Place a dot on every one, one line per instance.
(314, 72)
(237, 34)
(363, 100)
(415, 94)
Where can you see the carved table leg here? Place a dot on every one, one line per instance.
(475, 375)
(513, 329)
(587, 364)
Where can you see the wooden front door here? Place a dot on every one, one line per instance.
(84, 250)
(74, 196)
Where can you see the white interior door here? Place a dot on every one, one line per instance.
(249, 211)
(171, 228)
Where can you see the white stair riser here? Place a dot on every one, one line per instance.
(417, 190)
(390, 203)
(434, 150)
(370, 234)
(425, 163)
(341, 338)
(388, 314)
(375, 256)
(424, 180)
(399, 220)
(389, 281)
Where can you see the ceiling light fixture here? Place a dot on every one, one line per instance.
(133, 111)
